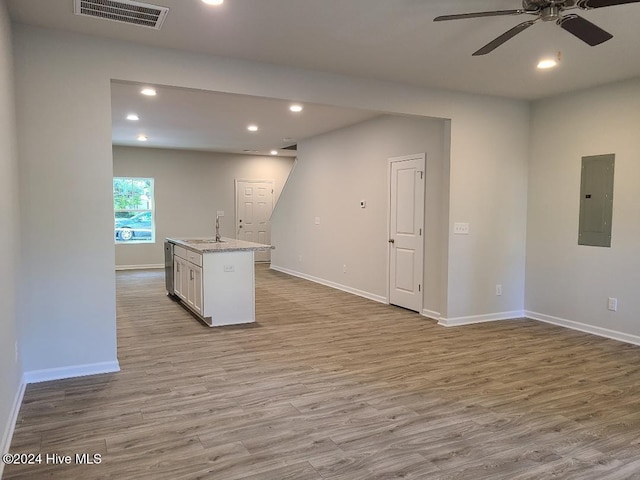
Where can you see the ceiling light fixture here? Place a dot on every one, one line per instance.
(133, 117)
(149, 92)
(274, 152)
(142, 138)
(547, 63)
(550, 62)
(213, 2)
(296, 108)
(252, 128)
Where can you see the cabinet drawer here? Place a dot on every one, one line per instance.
(180, 252)
(195, 258)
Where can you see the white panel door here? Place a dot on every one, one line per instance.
(254, 205)
(406, 224)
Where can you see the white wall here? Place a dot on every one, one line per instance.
(64, 144)
(190, 187)
(337, 170)
(10, 369)
(565, 281)
(488, 190)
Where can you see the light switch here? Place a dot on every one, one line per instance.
(220, 213)
(461, 229)
(317, 220)
(363, 204)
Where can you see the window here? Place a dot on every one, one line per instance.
(133, 210)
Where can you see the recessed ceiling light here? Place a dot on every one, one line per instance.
(149, 92)
(296, 108)
(252, 128)
(274, 152)
(142, 138)
(133, 117)
(213, 2)
(547, 63)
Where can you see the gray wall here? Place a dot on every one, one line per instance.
(63, 93)
(465, 183)
(10, 369)
(190, 187)
(337, 170)
(566, 282)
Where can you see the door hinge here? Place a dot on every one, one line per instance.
(419, 287)
(420, 232)
(421, 174)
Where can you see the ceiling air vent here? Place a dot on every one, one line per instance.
(123, 11)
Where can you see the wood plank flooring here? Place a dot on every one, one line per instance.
(331, 386)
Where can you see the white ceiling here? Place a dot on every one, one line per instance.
(394, 40)
(212, 121)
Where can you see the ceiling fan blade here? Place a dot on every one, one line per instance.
(589, 4)
(509, 34)
(584, 30)
(495, 13)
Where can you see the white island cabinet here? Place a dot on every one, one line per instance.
(216, 280)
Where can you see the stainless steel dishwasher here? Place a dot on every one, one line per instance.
(168, 267)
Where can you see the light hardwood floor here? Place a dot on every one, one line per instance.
(331, 386)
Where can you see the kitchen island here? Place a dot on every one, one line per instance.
(214, 279)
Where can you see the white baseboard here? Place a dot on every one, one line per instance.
(156, 266)
(37, 376)
(583, 327)
(491, 317)
(7, 435)
(430, 314)
(327, 283)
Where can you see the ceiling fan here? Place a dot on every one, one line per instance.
(547, 11)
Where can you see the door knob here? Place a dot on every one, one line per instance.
(392, 240)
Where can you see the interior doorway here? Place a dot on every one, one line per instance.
(254, 206)
(406, 231)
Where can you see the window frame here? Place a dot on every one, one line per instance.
(150, 199)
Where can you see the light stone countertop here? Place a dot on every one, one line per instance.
(209, 245)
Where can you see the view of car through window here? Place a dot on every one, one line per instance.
(133, 210)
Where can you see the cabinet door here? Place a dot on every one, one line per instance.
(196, 289)
(184, 273)
(180, 277)
(177, 277)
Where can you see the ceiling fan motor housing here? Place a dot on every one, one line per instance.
(551, 14)
(539, 5)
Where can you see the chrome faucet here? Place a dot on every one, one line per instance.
(218, 239)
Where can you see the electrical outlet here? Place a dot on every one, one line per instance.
(498, 290)
(461, 229)
(229, 268)
(612, 304)
(344, 268)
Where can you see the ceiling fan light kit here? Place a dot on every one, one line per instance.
(547, 11)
